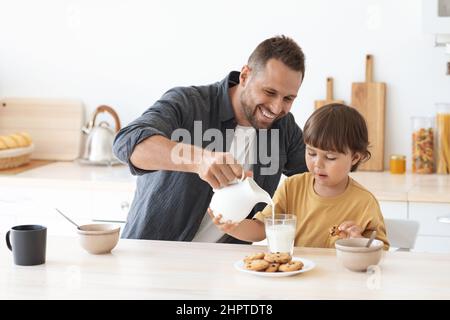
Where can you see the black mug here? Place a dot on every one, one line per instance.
(27, 243)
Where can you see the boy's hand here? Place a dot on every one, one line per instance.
(349, 229)
(224, 227)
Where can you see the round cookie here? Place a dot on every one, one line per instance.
(278, 257)
(256, 265)
(291, 266)
(254, 256)
(335, 232)
(273, 267)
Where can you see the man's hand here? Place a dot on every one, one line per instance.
(226, 227)
(219, 169)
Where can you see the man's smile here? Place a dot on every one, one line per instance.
(266, 113)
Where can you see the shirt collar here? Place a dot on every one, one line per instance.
(227, 112)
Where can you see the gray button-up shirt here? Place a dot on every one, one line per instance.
(170, 205)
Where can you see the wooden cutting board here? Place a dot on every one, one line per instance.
(33, 164)
(329, 99)
(369, 98)
(54, 125)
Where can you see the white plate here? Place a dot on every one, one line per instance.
(307, 265)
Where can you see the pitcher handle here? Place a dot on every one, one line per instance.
(8, 243)
(243, 175)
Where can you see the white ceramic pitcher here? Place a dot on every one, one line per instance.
(234, 202)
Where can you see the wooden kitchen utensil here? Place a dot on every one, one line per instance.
(369, 99)
(329, 99)
(53, 124)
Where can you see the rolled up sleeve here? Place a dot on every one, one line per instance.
(166, 115)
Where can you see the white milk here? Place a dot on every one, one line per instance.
(273, 208)
(280, 238)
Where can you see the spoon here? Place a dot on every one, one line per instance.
(78, 227)
(372, 237)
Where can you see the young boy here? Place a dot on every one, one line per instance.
(336, 141)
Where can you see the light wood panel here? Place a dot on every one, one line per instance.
(329, 97)
(54, 125)
(369, 98)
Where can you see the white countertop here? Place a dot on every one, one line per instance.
(385, 186)
(406, 187)
(144, 269)
(74, 174)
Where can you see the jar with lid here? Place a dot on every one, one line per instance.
(422, 144)
(443, 138)
(397, 164)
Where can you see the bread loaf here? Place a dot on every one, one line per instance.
(17, 140)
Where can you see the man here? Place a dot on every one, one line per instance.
(176, 179)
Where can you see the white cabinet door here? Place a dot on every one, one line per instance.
(434, 236)
(432, 244)
(427, 215)
(36, 205)
(394, 209)
(111, 205)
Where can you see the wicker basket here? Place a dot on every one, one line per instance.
(12, 158)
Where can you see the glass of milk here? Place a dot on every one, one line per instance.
(280, 232)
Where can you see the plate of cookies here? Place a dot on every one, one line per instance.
(279, 264)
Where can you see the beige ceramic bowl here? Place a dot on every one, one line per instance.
(354, 255)
(98, 238)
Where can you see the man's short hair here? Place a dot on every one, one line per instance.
(281, 48)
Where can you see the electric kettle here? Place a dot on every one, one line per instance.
(100, 138)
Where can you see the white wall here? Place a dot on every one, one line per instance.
(127, 53)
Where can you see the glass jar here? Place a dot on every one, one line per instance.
(422, 144)
(398, 164)
(443, 138)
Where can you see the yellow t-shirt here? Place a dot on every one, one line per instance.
(316, 214)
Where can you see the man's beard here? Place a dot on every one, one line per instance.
(250, 113)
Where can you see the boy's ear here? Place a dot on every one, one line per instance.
(355, 158)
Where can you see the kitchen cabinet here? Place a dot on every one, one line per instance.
(110, 205)
(432, 244)
(434, 236)
(427, 215)
(86, 194)
(436, 16)
(95, 193)
(394, 209)
(36, 205)
(29, 205)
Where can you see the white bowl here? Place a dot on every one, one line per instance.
(354, 255)
(98, 238)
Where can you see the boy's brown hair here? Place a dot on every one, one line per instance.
(339, 128)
